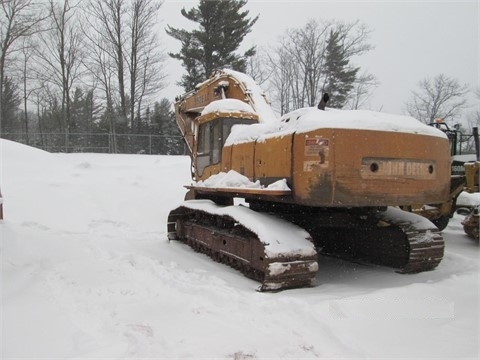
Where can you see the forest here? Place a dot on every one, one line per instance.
(84, 76)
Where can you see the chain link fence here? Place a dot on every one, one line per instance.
(102, 143)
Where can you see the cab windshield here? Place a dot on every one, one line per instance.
(211, 138)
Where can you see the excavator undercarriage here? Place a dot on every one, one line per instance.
(388, 237)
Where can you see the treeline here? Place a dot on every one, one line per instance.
(96, 67)
(70, 67)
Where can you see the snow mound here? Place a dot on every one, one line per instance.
(11, 151)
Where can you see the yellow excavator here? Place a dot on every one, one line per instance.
(313, 181)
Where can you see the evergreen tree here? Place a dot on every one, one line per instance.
(11, 101)
(340, 77)
(163, 119)
(77, 110)
(222, 28)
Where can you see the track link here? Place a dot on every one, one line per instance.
(218, 234)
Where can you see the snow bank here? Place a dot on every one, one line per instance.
(87, 272)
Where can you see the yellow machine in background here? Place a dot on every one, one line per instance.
(465, 178)
(471, 223)
(345, 172)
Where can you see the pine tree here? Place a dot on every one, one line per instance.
(11, 101)
(222, 28)
(339, 75)
(163, 119)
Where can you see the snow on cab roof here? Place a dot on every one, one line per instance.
(227, 105)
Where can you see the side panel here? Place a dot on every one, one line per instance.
(392, 168)
(273, 159)
(313, 168)
(341, 167)
(242, 159)
(209, 171)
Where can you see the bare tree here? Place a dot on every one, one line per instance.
(108, 22)
(125, 32)
(306, 47)
(144, 58)
(102, 72)
(363, 88)
(281, 79)
(300, 60)
(473, 118)
(27, 54)
(18, 19)
(441, 97)
(60, 56)
(256, 68)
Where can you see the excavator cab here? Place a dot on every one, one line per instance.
(213, 130)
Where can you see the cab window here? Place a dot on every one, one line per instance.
(211, 138)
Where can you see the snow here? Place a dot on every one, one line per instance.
(287, 239)
(260, 104)
(235, 180)
(468, 200)
(399, 217)
(309, 119)
(227, 105)
(87, 272)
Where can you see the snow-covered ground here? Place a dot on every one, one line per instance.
(87, 272)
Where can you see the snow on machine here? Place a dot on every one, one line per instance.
(328, 181)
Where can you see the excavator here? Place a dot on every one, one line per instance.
(269, 194)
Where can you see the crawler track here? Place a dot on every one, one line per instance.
(393, 238)
(471, 224)
(226, 240)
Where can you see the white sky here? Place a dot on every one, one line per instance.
(412, 39)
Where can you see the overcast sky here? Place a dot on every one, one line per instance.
(412, 39)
